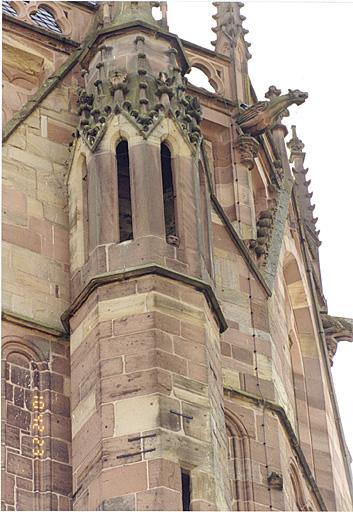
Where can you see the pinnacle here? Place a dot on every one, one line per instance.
(229, 25)
(295, 144)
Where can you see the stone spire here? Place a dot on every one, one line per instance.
(229, 27)
(297, 157)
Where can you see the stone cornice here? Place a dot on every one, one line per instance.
(133, 273)
(280, 412)
(30, 323)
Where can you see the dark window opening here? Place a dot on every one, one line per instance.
(124, 192)
(185, 488)
(85, 210)
(168, 195)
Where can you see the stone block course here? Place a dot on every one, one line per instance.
(19, 465)
(158, 499)
(124, 479)
(134, 384)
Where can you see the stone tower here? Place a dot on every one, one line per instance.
(166, 341)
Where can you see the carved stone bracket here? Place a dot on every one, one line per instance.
(336, 329)
(247, 148)
(275, 481)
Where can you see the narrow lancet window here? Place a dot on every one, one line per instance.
(185, 489)
(124, 192)
(168, 195)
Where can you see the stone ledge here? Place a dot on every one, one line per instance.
(133, 273)
(30, 323)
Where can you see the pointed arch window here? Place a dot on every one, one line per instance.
(124, 192)
(168, 195)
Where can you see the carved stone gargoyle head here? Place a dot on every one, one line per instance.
(262, 116)
(336, 329)
(298, 97)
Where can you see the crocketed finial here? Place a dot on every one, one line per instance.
(295, 144)
(229, 27)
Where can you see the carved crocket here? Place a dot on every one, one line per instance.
(258, 118)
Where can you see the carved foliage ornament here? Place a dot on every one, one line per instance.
(140, 96)
(264, 227)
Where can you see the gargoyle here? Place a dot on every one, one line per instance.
(336, 329)
(258, 118)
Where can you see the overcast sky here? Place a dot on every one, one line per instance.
(308, 46)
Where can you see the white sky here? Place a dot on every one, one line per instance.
(307, 45)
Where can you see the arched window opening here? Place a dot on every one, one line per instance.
(200, 79)
(124, 192)
(168, 196)
(45, 19)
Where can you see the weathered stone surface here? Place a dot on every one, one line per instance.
(143, 385)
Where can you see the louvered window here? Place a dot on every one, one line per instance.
(8, 9)
(45, 19)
